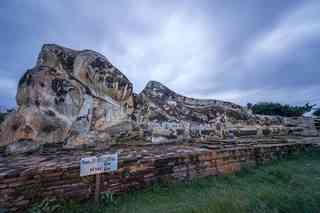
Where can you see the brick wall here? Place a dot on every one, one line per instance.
(28, 179)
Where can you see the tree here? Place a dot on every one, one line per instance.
(4, 114)
(269, 108)
(317, 113)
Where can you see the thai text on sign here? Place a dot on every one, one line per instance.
(97, 165)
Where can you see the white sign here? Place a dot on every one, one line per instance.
(97, 165)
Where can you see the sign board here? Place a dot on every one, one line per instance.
(97, 165)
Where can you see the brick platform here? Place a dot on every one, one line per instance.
(55, 174)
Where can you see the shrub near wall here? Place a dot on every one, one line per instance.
(317, 113)
(269, 108)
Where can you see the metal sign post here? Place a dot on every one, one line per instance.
(96, 166)
(97, 190)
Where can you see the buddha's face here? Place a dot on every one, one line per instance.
(47, 88)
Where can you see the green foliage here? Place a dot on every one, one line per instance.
(284, 186)
(249, 105)
(45, 206)
(317, 112)
(107, 198)
(3, 115)
(269, 108)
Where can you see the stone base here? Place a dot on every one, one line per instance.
(27, 179)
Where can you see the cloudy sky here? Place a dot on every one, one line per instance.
(240, 51)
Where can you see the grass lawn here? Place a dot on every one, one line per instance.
(283, 186)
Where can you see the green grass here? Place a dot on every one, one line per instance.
(286, 186)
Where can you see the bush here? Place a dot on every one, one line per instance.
(269, 108)
(107, 198)
(4, 114)
(317, 112)
(45, 206)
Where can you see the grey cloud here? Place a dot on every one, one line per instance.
(239, 51)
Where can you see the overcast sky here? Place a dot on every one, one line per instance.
(240, 51)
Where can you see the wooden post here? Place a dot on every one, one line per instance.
(97, 191)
